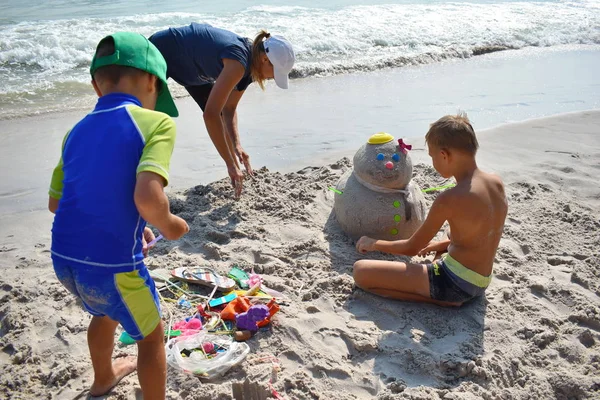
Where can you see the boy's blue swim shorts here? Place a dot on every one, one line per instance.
(129, 298)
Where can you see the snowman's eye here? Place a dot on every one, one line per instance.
(380, 156)
(396, 157)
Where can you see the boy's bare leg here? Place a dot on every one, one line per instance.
(396, 280)
(152, 365)
(101, 338)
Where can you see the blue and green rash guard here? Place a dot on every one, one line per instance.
(97, 222)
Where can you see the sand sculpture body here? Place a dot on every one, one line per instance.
(378, 198)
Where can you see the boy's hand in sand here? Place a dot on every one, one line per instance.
(365, 244)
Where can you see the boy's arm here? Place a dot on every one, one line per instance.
(439, 213)
(56, 183)
(153, 173)
(153, 206)
(435, 246)
(52, 204)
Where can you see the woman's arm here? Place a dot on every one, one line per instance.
(232, 73)
(230, 116)
(231, 123)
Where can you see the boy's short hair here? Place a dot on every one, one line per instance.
(112, 73)
(453, 132)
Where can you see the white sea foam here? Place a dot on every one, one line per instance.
(37, 56)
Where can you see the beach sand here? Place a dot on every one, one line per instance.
(535, 334)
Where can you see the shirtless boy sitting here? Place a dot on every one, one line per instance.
(475, 210)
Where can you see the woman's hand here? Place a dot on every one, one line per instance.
(244, 159)
(237, 179)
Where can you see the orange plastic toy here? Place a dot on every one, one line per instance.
(236, 306)
(273, 308)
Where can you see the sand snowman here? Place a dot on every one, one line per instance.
(378, 198)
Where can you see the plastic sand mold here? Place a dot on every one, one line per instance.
(239, 276)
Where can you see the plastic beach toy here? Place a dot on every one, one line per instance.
(190, 327)
(380, 138)
(434, 189)
(237, 306)
(249, 320)
(239, 276)
(273, 308)
(222, 300)
(152, 243)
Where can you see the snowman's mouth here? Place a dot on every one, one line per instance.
(383, 174)
(379, 188)
(387, 171)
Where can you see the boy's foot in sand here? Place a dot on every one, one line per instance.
(121, 368)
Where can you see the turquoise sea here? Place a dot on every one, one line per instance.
(46, 46)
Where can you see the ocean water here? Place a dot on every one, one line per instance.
(46, 46)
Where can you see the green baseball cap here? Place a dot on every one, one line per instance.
(134, 50)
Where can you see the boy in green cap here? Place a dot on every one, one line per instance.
(108, 184)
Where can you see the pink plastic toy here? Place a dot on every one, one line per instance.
(254, 279)
(208, 347)
(190, 327)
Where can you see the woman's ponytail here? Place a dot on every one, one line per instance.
(258, 48)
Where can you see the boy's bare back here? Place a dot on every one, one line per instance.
(477, 209)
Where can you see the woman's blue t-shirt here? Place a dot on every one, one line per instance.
(195, 53)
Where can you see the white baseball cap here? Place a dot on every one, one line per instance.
(281, 55)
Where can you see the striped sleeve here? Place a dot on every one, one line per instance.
(58, 175)
(159, 132)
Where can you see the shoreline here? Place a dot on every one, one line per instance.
(425, 60)
(322, 119)
(401, 62)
